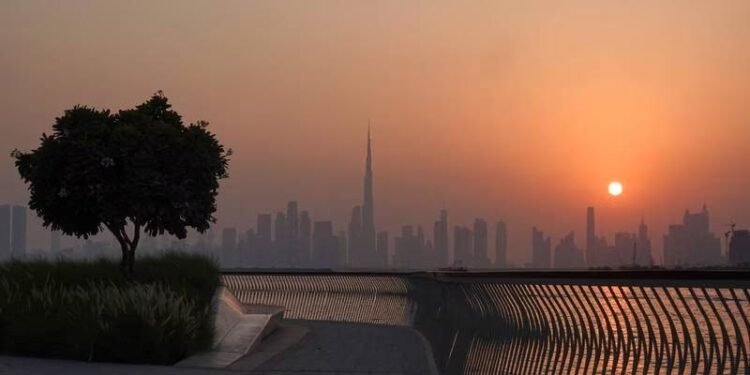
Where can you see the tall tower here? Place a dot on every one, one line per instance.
(501, 245)
(368, 209)
(591, 259)
(369, 236)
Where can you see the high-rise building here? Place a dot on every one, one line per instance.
(264, 237)
(592, 251)
(567, 254)
(250, 256)
(305, 238)
(4, 232)
(229, 247)
(383, 255)
(368, 211)
(356, 253)
(462, 246)
(325, 245)
(292, 243)
(739, 248)
(625, 250)
(18, 239)
(540, 249)
(501, 245)
(408, 248)
(691, 243)
(440, 239)
(280, 241)
(643, 255)
(481, 258)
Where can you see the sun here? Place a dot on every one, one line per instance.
(615, 188)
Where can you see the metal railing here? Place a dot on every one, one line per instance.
(536, 323)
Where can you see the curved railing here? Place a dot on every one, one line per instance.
(527, 324)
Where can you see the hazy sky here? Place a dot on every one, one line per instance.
(520, 110)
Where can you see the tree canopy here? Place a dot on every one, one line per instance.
(140, 170)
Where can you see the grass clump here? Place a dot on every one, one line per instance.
(91, 311)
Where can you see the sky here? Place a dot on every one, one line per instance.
(516, 110)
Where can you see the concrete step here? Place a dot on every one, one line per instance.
(237, 333)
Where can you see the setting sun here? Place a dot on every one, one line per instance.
(615, 188)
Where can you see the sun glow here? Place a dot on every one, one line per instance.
(615, 188)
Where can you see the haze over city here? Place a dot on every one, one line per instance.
(515, 112)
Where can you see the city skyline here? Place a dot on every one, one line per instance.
(530, 119)
(294, 238)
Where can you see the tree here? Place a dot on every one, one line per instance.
(140, 170)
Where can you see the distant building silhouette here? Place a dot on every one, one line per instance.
(739, 247)
(280, 240)
(593, 257)
(462, 246)
(481, 258)
(292, 256)
(501, 245)
(408, 248)
(264, 241)
(305, 238)
(229, 246)
(4, 232)
(540, 249)
(362, 242)
(383, 251)
(18, 239)
(567, 254)
(325, 244)
(625, 249)
(643, 257)
(440, 240)
(355, 244)
(691, 243)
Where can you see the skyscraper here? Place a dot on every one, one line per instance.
(4, 232)
(368, 204)
(325, 244)
(625, 248)
(383, 256)
(292, 223)
(540, 249)
(643, 246)
(280, 240)
(739, 247)
(362, 244)
(305, 238)
(501, 245)
(591, 241)
(229, 247)
(691, 243)
(481, 259)
(408, 248)
(355, 247)
(567, 254)
(440, 239)
(18, 240)
(264, 244)
(462, 246)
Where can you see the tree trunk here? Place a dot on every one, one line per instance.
(131, 261)
(125, 255)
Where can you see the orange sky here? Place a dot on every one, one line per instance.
(503, 109)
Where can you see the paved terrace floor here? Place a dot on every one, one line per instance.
(324, 348)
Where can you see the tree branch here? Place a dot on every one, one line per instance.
(136, 235)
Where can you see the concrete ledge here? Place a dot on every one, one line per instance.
(237, 333)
